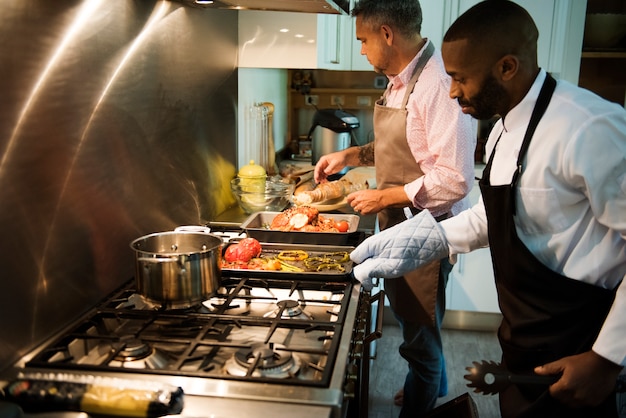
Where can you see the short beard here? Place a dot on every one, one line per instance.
(491, 97)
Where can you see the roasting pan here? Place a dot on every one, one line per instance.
(257, 226)
(273, 249)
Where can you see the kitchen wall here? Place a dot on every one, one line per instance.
(118, 119)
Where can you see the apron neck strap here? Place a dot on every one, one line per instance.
(540, 108)
(421, 63)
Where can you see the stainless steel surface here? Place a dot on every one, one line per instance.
(304, 6)
(325, 141)
(118, 119)
(177, 268)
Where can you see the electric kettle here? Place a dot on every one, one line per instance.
(331, 131)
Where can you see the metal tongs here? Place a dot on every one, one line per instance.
(489, 378)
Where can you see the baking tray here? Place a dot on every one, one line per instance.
(257, 226)
(272, 250)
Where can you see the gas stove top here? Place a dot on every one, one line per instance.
(285, 342)
(251, 329)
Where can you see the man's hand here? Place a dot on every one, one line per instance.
(399, 249)
(329, 164)
(587, 379)
(371, 201)
(367, 201)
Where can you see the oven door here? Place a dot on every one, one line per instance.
(368, 328)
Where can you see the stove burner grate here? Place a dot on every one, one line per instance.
(137, 354)
(264, 360)
(287, 309)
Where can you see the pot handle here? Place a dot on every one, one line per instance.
(158, 260)
(193, 228)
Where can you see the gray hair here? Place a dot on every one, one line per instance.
(405, 16)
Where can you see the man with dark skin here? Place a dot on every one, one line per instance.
(553, 198)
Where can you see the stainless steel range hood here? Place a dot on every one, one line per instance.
(304, 6)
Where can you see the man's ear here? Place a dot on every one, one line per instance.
(508, 66)
(387, 33)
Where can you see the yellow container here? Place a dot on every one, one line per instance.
(252, 178)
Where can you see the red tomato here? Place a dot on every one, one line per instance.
(251, 245)
(244, 250)
(342, 226)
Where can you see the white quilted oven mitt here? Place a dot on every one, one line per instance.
(399, 249)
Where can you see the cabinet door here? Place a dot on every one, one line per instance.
(434, 21)
(277, 39)
(334, 42)
(294, 40)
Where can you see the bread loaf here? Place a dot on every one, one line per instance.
(327, 191)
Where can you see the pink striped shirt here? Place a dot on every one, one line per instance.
(441, 138)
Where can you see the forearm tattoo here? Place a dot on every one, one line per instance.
(366, 154)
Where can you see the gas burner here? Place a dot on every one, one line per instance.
(288, 309)
(138, 302)
(136, 354)
(263, 360)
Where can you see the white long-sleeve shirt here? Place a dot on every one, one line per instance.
(442, 139)
(571, 196)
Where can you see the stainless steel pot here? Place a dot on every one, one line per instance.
(178, 268)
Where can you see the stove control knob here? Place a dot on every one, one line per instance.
(358, 336)
(357, 349)
(353, 372)
(348, 390)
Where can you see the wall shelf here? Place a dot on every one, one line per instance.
(604, 54)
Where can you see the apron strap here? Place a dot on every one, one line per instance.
(421, 63)
(540, 108)
(543, 100)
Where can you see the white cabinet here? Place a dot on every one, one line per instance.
(299, 40)
(295, 40)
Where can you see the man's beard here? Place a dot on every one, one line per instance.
(487, 101)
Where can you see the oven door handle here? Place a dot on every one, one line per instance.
(378, 330)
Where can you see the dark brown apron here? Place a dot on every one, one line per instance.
(396, 166)
(546, 316)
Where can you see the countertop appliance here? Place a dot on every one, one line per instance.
(286, 347)
(331, 131)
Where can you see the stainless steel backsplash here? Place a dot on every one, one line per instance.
(117, 120)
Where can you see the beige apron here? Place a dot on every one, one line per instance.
(413, 296)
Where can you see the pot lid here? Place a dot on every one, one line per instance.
(335, 119)
(252, 170)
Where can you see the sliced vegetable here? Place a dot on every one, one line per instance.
(293, 255)
(288, 267)
(331, 266)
